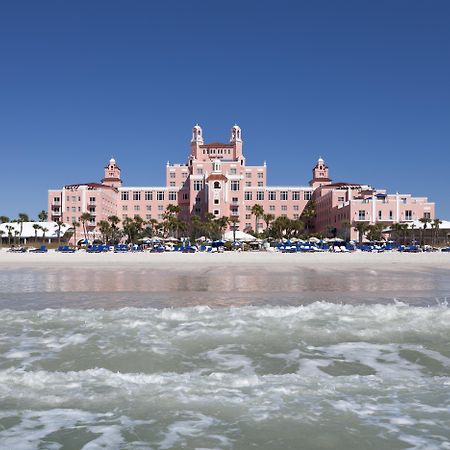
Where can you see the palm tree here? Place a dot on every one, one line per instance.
(425, 221)
(413, 226)
(75, 225)
(44, 230)
(396, 228)
(1, 237)
(85, 217)
(436, 223)
(308, 215)
(257, 211)
(10, 229)
(58, 226)
(22, 218)
(268, 218)
(361, 228)
(4, 219)
(346, 225)
(36, 227)
(43, 216)
(222, 223)
(234, 220)
(105, 229)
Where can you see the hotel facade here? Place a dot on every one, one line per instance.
(217, 180)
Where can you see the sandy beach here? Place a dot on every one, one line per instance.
(235, 261)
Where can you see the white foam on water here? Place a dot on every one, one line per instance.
(182, 375)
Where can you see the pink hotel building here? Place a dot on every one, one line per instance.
(217, 180)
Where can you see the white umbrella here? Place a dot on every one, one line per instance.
(314, 240)
(171, 239)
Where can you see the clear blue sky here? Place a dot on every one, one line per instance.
(363, 84)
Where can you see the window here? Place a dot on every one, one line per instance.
(248, 195)
(185, 196)
(148, 195)
(160, 216)
(260, 184)
(427, 215)
(295, 207)
(235, 185)
(148, 207)
(124, 208)
(184, 174)
(233, 171)
(296, 216)
(148, 216)
(408, 214)
(248, 225)
(124, 195)
(248, 208)
(172, 184)
(272, 208)
(137, 207)
(248, 184)
(248, 175)
(380, 215)
(248, 216)
(74, 198)
(172, 174)
(283, 195)
(341, 199)
(272, 195)
(198, 185)
(172, 195)
(390, 215)
(199, 171)
(260, 175)
(295, 195)
(55, 199)
(160, 195)
(216, 185)
(260, 195)
(216, 201)
(216, 212)
(283, 208)
(91, 199)
(160, 207)
(361, 215)
(74, 209)
(67, 209)
(124, 216)
(307, 195)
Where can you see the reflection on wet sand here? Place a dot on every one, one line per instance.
(215, 287)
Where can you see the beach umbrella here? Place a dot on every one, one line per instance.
(314, 240)
(171, 239)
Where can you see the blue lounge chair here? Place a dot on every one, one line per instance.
(41, 249)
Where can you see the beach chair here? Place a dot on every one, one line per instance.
(41, 249)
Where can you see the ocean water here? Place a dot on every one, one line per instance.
(370, 373)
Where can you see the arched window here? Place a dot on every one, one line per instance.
(216, 185)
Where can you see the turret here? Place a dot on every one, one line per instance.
(112, 174)
(236, 140)
(320, 174)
